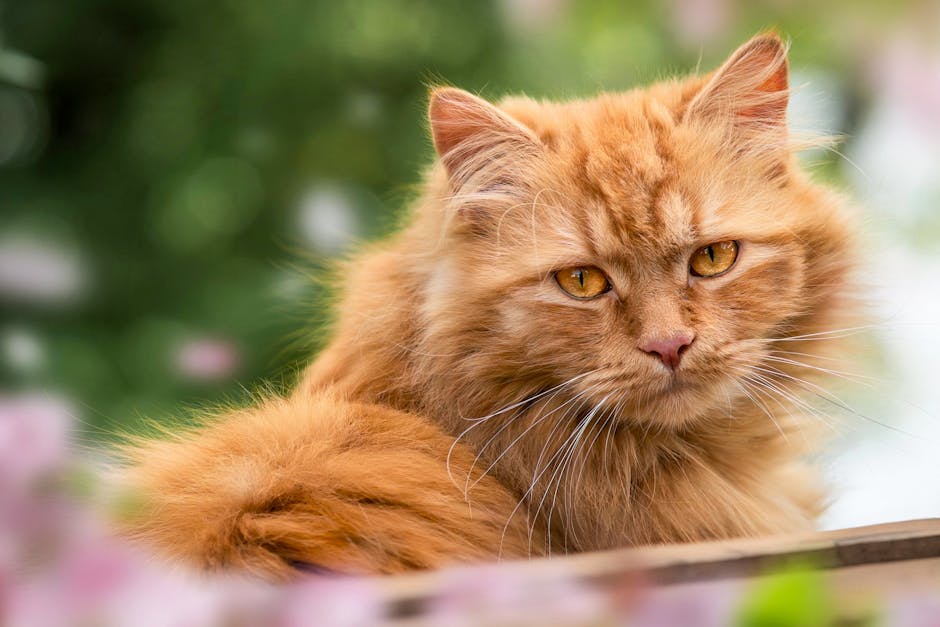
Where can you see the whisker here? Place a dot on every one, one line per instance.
(747, 389)
(821, 335)
(872, 383)
(534, 423)
(538, 474)
(564, 462)
(479, 421)
(801, 354)
(548, 465)
(582, 458)
(537, 396)
(848, 376)
(775, 391)
(605, 426)
(831, 398)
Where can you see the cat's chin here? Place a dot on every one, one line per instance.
(675, 404)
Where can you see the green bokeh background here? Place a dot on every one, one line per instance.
(169, 147)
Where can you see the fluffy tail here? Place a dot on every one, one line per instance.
(316, 483)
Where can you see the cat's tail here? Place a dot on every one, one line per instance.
(315, 483)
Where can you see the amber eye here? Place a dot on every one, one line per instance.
(714, 259)
(582, 281)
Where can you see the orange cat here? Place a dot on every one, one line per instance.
(588, 336)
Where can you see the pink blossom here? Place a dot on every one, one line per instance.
(700, 21)
(914, 611)
(343, 602)
(207, 359)
(34, 432)
(908, 72)
(532, 15)
(506, 595)
(704, 604)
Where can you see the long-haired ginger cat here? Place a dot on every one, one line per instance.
(592, 333)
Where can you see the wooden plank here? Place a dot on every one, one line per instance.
(890, 542)
(844, 550)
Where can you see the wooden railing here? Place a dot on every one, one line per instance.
(881, 559)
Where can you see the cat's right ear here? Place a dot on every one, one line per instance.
(748, 94)
(471, 135)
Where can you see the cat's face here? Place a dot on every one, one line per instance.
(638, 249)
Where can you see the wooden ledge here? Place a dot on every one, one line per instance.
(915, 541)
(680, 563)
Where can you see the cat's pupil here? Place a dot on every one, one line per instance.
(580, 274)
(711, 253)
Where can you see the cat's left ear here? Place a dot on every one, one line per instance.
(749, 93)
(471, 135)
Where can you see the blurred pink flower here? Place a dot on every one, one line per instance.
(908, 72)
(704, 604)
(207, 359)
(914, 611)
(343, 602)
(503, 595)
(532, 15)
(700, 21)
(34, 432)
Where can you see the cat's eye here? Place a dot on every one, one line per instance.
(714, 259)
(582, 282)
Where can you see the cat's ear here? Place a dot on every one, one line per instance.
(749, 93)
(470, 134)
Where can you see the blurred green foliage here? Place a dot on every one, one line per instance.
(802, 596)
(795, 598)
(176, 143)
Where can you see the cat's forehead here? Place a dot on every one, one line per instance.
(615, 159)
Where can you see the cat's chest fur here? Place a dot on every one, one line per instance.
(599, 486)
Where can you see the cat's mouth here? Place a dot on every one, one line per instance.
(671, 387)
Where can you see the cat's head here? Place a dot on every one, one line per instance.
(639, 249)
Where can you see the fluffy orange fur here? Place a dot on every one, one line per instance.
(467, 408)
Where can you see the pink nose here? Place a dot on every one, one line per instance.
(669, 349)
